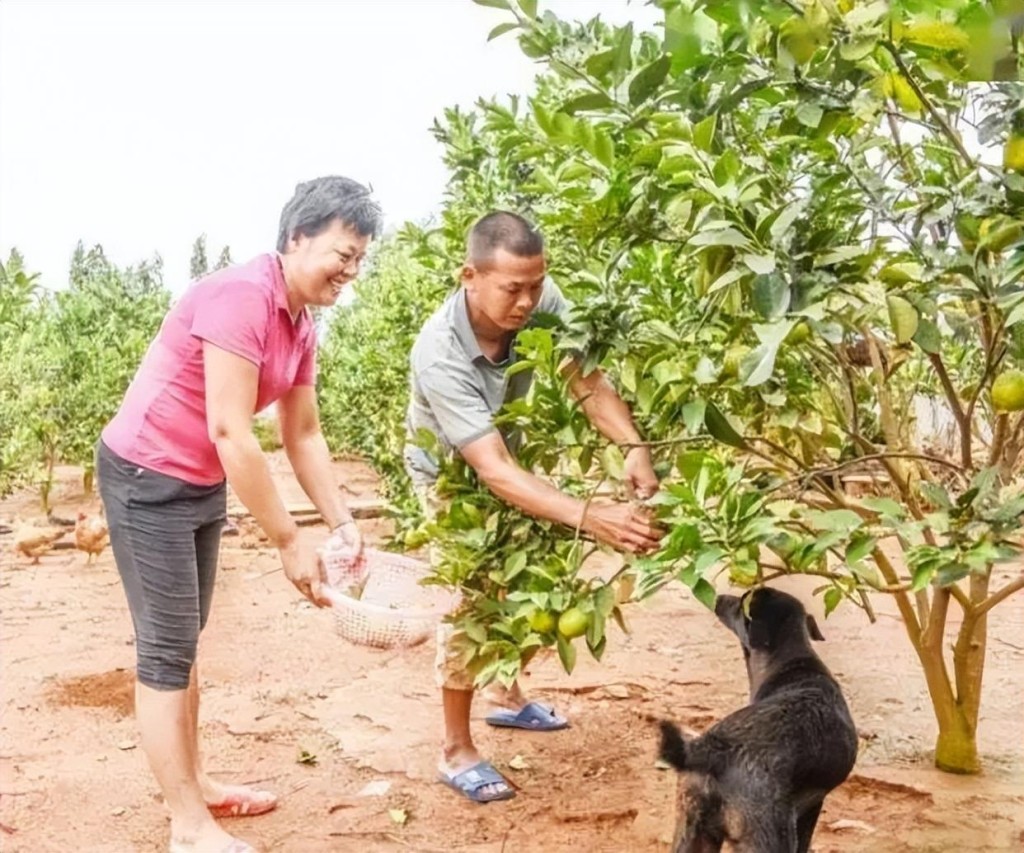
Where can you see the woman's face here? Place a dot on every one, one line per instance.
(319, 267)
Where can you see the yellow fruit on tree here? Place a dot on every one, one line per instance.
(938, 34)
(904, 93)
(542, 621)
(1013, 153)
(801, 38)
(799, 334)
(573, 623)
(1008, 391)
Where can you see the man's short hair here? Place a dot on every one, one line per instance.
(502, 230)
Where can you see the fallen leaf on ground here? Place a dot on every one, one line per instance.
(399, 816)
(851, 824)
(518, 763)
(377, 788)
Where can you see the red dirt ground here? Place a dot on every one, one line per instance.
(277, 681)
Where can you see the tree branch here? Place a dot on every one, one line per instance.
(950, 134)
(999, 596)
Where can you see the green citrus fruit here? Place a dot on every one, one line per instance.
(1008, 391)
(542, 621)
(573, 623)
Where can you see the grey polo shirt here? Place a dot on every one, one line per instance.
(455, 389)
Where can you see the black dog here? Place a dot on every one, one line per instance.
(758, 778)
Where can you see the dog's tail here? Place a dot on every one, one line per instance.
(673, 746)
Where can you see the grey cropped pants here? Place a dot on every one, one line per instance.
(165, 535)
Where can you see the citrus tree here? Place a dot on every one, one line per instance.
(68, 360)
(364, 365)
(791, 230)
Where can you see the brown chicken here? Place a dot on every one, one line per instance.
(91, 535)
(33, 542)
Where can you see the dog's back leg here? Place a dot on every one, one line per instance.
(805, 823)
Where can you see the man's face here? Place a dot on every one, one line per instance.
(327, 262)
(507, 289)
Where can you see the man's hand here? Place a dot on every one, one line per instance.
(303, 568)
(623, 526)
(641, 481)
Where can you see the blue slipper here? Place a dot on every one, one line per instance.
(473, 780)
(532, 716)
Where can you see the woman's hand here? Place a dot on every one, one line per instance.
(302, 566)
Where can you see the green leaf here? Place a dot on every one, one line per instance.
(903, 316)
(475, 631)
(928, 336)
(613, 462)
(809, 115)
(682, 39)
(600, 64)
(884, 506)
(843, 520)
(647, 80)
(494, 4)
(833, 596)
(856, 49)
(704, 132)
(859, 547)
(759, 364)
(787, 216)
(771, 295)
(529, 8)
(604, 148)
(693, 415)
(922, 576)
(589, 101)
(705, 593)
(566, 653)
(720, 428)
(514, 564)
(623, 52)
(936, 495)
(501, 29)
(720, 237)
(761, 264)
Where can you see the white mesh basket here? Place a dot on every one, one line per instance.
(394, 610)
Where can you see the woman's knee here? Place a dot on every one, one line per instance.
(163, 666)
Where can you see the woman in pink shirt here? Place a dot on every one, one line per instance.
(237, 341)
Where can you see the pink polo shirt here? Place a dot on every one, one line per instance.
(161, 424)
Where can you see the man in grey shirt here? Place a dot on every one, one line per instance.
(459, 382)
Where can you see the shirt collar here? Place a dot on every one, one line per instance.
(281, 292)
(463, 329)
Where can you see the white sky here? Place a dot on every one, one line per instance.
(140, 125)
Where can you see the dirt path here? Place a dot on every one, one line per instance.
(278, 682)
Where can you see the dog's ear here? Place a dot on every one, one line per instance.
(814, 630)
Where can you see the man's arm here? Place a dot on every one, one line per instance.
(611, 417)
(309, 455)
(619, 525)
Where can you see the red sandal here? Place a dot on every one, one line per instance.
(246, 803)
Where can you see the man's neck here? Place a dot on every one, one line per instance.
(493, 340)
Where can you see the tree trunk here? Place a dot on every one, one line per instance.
(956, 710)
(956, 748)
